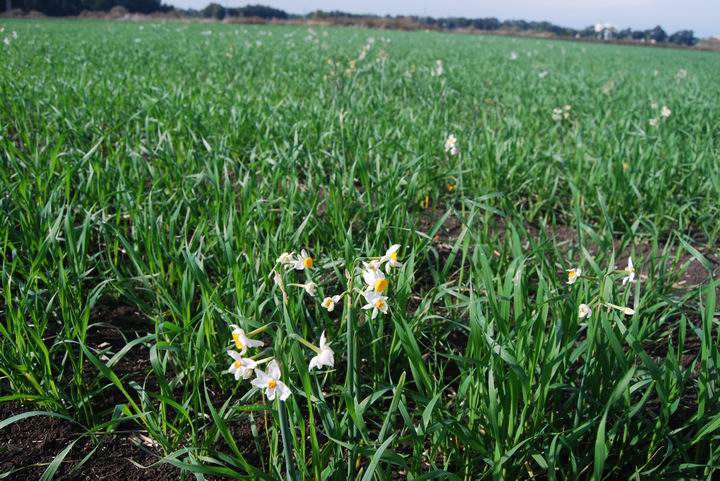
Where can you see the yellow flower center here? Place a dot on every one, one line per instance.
(450, 188)
(572, 274)
(308, 262)
(381, 284)
(393, 256)
(326, 303)
(379, 303)
(238, 342)
(237, 364)
(272, 384)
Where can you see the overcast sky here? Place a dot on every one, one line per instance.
(703, 16)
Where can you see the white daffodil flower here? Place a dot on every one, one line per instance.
(654, 122)
(665, 112)
(630, 271)
(451, 145)
(375, 279)
(326, 356)
(584, 311)
(303, 261)
(391, 257)
(573, 275)
(241, 367)
(286, 259)
(376, 302)
(329, 302)
(270, 381)
(242, 342)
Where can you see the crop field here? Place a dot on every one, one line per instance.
(509, 247)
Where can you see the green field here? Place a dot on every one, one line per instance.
(152, 173)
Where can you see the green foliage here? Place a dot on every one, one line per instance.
(165, 167)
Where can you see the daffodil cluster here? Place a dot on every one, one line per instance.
(584, 310)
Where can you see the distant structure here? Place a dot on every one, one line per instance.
(605, 31)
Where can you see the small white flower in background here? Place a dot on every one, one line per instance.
(329, 303)
(543, 74)
(391, 257)
(557, 114)
(630, 271)
(665, 112)
(286, 259)
(654, 122)
(375, 280)
(6, 41)
(14, 35)
(451, 145)
(566, 111)
(270, 381)
(241, 367)
(584, 311)
(654, 105)
(513, 56)
(573, 275)
(438, 70)
(681, 74)
(326, 356)
(242, 342)
(303, 261)
(376, 302)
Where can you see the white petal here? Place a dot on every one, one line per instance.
(273, 370)
(313, 363)
(336, 299)
(238, 374)
(270, 393)
(283, 392)
(322, 340)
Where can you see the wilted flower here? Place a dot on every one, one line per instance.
(329, 302)
(303, 261)
(270, 381)
(573, 275)
(376, 302)
(451, 145)
(665, 112)
(242, 342)
(241, 367)
(325, 357)
(310, 288)
(391, 257)
(375, 279)
(625, 310)
(584, 311)
(286, 259)
(630, 271)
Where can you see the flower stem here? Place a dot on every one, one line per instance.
(287, 448)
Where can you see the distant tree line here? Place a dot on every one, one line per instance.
(217, 11)
(74, 7)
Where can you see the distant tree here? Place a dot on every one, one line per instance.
(683, 37)
(657, 34)
(214, 10)
(263, 12)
